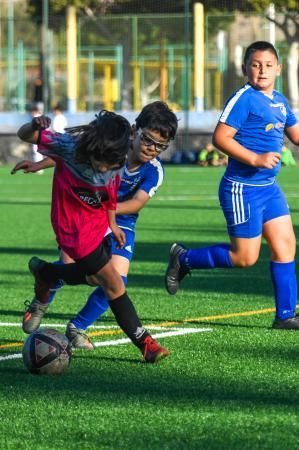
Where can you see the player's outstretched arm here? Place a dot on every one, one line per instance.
(134, 205)
(32, 167)
(29, 132)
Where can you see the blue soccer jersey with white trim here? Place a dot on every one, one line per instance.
(260, 121)
(148, 177)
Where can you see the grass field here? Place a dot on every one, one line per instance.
(230, 381)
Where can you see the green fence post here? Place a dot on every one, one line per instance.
(10, 54)
(20, 78)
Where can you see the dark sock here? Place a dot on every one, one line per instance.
(96, 305)
(68, 273)
(126, 317)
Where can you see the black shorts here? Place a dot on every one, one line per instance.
(92, 263)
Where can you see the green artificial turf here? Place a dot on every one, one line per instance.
(232, 387)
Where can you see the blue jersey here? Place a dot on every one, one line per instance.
(148, 177)
(260, 121)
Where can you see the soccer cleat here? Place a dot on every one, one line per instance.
(152, 351)
(78, 338)
(292, 323)
(34, 313)
(42, 288)
(175, 272)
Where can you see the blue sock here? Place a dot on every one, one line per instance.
(58, 284)
(95, 306)
(207, 257)
(285, 288)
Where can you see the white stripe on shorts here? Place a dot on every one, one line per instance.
(237, 202)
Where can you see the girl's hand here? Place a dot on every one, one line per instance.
(26, 166)
(40, 123)
(32, 167)
(119, 235)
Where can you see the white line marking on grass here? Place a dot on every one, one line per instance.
(14, 356)
(95, 327)
(192, 197)
(56, 325)
(176, 198)
(176, 332)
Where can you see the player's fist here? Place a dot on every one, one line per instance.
(40, 123)
(266, 160)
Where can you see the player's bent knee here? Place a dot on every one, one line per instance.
(245, 261)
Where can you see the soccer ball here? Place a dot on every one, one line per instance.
(47, 352)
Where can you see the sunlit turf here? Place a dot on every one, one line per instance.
(235, 387)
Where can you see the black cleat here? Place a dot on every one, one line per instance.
(292, 323)
(175, 272)
(42, 288)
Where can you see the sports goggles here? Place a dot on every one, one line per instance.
(149, 142)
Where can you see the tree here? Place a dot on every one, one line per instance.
(286, 18)
(288, 22)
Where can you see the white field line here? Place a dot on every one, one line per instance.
(54, 325)
(161, 198)
(176, 332)
(182, 198)
(13, 356)
(95, 327)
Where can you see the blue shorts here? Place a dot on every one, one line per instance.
(128, 249)
(246, 208)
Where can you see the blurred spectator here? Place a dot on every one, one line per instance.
(210, 156)
(38, 94)
(59, 122)
(287, 158)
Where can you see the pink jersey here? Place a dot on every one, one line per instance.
(81, 197)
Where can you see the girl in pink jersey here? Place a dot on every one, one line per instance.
(88, 161)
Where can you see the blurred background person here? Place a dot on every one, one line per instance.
(210, 156)
(59, 122)
(287, 158)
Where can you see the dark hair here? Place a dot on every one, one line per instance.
(257, 46)
(58, 107)
(157, 116)
(107, 138)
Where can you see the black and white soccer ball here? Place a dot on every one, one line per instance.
(47, 352)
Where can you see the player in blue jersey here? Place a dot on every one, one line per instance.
(155, 126)
(251, 131)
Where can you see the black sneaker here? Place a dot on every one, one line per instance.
(42, 288)
(292, 323)
(175, 272)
